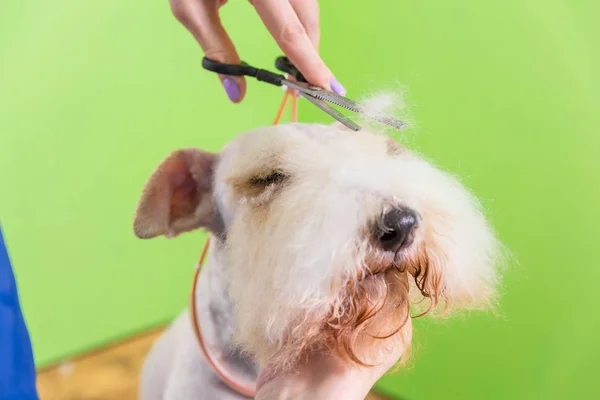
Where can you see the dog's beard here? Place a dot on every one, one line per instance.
(363, 324)
(367, 316)
(368, 324)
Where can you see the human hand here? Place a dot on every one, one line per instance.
(328, 377)
(294, 24)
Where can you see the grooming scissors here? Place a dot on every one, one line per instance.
(316, 95)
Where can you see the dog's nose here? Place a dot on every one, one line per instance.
(398, 229)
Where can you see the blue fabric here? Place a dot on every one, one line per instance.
(17, 368)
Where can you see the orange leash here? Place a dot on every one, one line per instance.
(221, 371)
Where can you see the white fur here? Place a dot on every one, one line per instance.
(291, 249)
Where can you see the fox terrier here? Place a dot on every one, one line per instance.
(323, 239)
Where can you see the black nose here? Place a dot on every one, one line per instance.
(397, 229)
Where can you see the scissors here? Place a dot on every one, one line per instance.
(316, 95)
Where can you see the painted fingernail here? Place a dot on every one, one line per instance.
(337, 87)
(232, 89)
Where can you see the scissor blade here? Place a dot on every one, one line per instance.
(357, 108)
(332, 112)
(394, 123)
(341, 101)
(336, 99)
(324, 95)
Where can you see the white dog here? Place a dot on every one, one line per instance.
(323, 238)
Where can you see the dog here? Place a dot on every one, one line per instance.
(322, 239)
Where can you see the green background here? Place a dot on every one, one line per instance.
(505, 94)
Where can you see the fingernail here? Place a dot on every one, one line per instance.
(232, 89)
(337, 87)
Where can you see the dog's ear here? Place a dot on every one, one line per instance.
(178, 196)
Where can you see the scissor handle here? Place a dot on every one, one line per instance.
(285, 65)
(242, 69)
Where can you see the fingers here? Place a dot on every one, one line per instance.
(308, 14)
(285, 26)
(201, 18)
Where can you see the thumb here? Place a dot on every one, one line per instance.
(201, 19)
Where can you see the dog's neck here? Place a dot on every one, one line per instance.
(215, 313)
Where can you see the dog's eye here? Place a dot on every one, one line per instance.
(263, 184)
(273, 178)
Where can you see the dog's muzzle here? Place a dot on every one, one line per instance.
(396, 229)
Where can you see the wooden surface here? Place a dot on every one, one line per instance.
(107, 374)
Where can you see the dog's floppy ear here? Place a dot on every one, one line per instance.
(178, 196)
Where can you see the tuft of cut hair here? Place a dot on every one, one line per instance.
(387, 103)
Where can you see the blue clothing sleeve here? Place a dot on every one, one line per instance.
(17, 368)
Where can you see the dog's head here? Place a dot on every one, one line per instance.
(328, 236)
